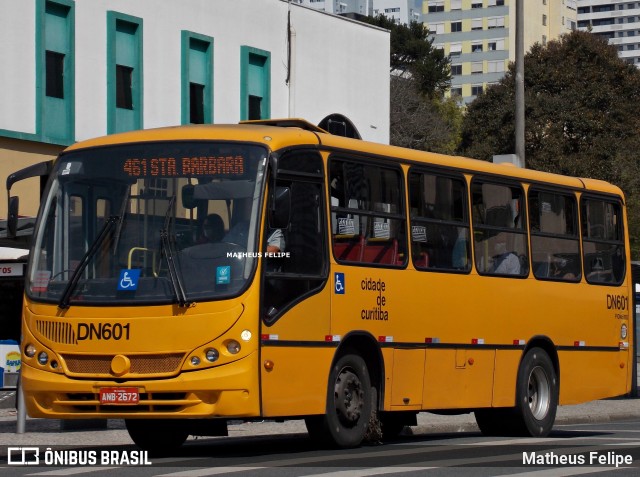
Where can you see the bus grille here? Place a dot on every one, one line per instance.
(56, 331)
(140, 364)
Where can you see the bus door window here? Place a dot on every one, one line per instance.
(602, 241)
(77, 225)
(298, 268)
(439, 222)
(367, 213)
(500, 234)
(555, 243)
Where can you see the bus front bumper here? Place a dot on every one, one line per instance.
(228, 391)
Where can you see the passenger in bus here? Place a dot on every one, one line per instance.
(275, 241)
(504, 262)
(212, 229)
(460, 253)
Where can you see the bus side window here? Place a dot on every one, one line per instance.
(603, 241)
(500, 234)
(555, 244)
(439, 222)
(367, 213)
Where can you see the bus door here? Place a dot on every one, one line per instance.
(295, 303)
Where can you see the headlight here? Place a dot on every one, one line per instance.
(233, 347)
(212, 355)
(30, 350)
(43, 358)
(195, 361)
(623, 331)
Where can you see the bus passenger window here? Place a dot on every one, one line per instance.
(602, 241)
(500, 234)
(439, 222)
(367, 219)
(555, 244)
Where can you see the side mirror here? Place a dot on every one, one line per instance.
(187, 196)
(12, 216)
(280, 212)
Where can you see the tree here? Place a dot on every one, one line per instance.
(420, 75)
(420, 122)
(413, 55)
(581, 114)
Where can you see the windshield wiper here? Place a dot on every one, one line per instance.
(174, 275)
(108, 226)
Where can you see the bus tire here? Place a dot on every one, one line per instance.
(157, 436)
(349, 405)
(536, 393)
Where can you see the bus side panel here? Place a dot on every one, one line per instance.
(407, 385)
(458, 378)
(590, 375)
(297, 384)
(504, 380)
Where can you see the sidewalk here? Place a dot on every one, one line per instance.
(49, 431)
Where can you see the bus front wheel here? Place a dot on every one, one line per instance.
(158, 436)
(349, 404)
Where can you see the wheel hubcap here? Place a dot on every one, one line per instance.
(538, 393)
(349, 397)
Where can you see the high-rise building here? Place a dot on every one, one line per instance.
(616, 20)
(402, 11)
(479, 35)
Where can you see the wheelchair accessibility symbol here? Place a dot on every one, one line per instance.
(128, 279)
(339, 283)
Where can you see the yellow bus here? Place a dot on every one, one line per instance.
(401, 281)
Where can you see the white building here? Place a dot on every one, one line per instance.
(616, 20)
(72, 70)
(401, 11)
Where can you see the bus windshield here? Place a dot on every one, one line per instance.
(148, 223)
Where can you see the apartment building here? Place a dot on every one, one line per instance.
(479, 35)
(73, 70)
(616, 20)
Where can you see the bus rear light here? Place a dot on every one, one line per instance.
(30, 350)
(233, 347)
(212, 355)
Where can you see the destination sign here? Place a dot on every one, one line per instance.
(185, 166)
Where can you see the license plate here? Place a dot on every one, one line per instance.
(119, 396)
(11, 269)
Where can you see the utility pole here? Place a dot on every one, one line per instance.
(519, 126)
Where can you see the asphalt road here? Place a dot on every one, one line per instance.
(611, 448)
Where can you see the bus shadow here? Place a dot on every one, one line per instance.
(235, 450)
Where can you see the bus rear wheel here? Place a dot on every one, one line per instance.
(537, 393)
(349, 405)
(157, 436)
(536, 401)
